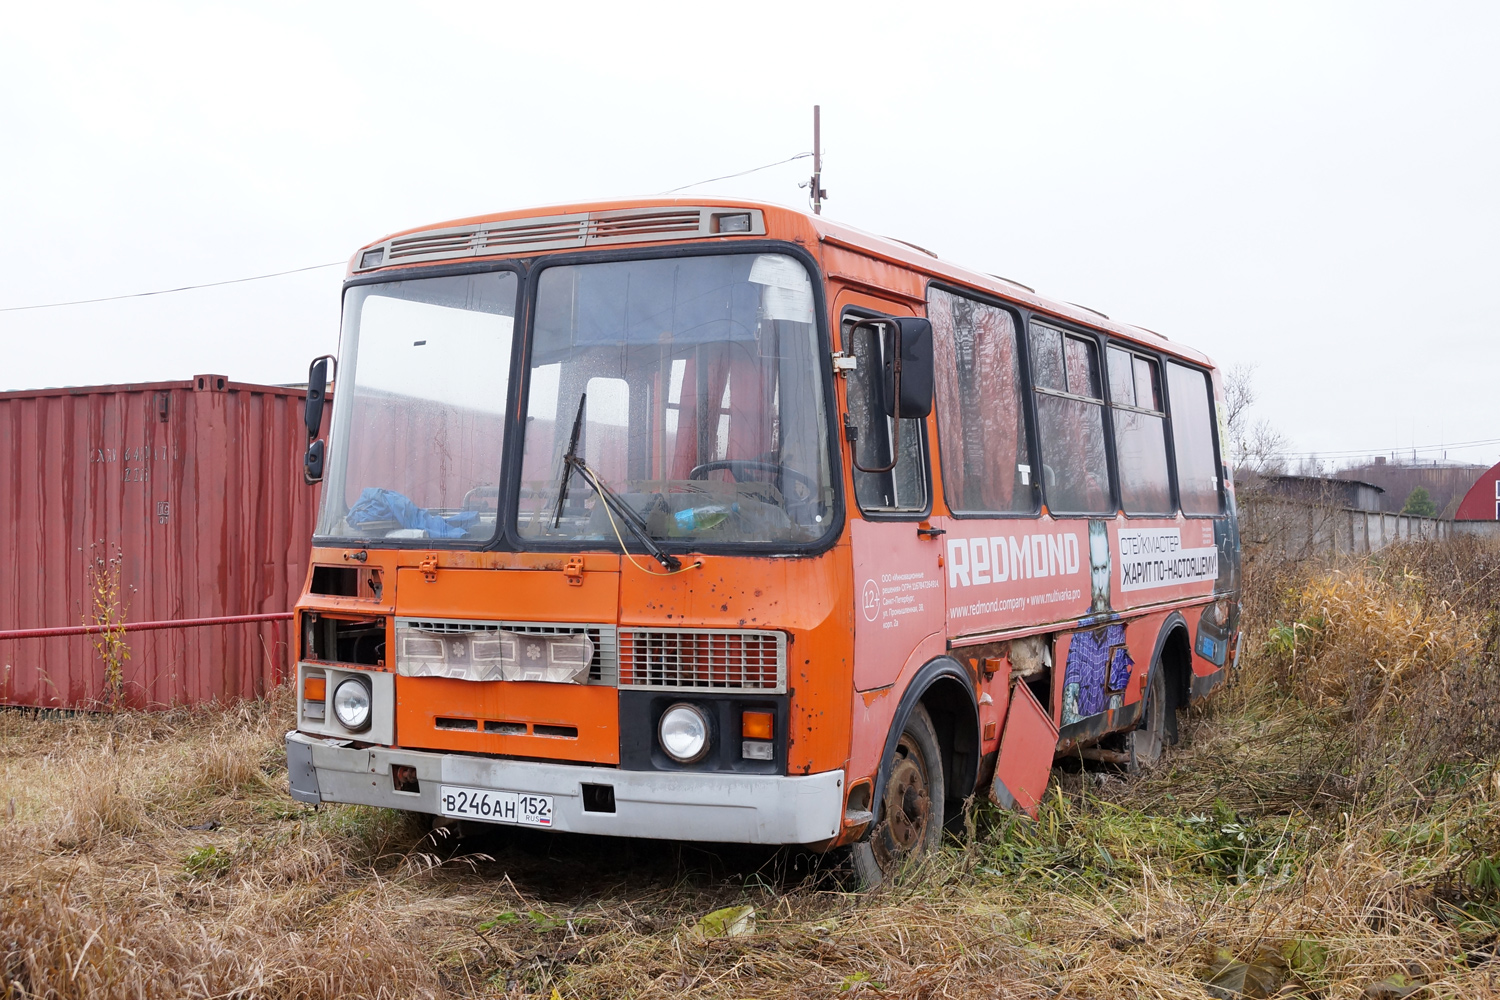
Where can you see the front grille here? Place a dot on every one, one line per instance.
(603, 667)
(703, 659)
(555, 232)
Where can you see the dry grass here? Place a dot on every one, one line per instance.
(1330, 828)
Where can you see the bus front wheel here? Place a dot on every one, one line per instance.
(909, 816)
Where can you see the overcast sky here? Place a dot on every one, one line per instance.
(1308, 187)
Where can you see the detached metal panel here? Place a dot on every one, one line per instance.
(196, 487)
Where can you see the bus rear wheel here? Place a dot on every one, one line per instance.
(909, 815)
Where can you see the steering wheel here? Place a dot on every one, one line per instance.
(779, 473)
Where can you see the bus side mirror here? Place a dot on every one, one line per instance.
(312, 464)
(914, 345)
(317, 391)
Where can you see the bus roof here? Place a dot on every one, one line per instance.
(560, 227)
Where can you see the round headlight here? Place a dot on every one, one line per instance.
(684, 733)
(351, 703)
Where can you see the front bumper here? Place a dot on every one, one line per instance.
(663, 805)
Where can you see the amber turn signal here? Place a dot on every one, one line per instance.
(315, 689)
(758, 725)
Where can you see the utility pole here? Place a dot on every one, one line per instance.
(816, 184)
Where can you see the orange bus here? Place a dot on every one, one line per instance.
(724, 522)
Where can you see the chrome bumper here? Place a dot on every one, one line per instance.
(662, 805)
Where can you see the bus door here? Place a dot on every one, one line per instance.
(898, 589)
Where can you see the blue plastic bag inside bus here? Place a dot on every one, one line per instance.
(376, 504)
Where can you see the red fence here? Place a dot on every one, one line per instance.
(190, 495)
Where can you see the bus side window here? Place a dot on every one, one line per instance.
(904, 488)
(1070, 422)
(1193, 439)
(1140, 437)
(981, 422)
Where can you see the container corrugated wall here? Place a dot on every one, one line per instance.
(197, 488)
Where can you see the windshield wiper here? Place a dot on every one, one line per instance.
(568, 459)
(610, 499)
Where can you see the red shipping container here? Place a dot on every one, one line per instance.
(195, 488)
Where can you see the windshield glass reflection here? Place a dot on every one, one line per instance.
(696, 387)
(419, 409)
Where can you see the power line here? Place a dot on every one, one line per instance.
(1356, 452)
(1345, 453)
(742, 173)
(169, 291)
(336, 263)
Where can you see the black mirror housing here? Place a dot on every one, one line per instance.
(915, 336)
(312, 464)
(317, 391)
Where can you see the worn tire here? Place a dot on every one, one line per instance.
(909, 817)
(1145, 743)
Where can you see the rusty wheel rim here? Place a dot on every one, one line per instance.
(906, 806)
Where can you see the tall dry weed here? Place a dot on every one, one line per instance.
(156, 855)
(1361, 637)
(1399, 649)
(102, 804)
(231, 762)
(1331, 824)
(55, 943)
(109, 607)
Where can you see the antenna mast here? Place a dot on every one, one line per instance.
(816, 184)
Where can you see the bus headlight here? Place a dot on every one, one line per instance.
(683, 732)
(351, 703)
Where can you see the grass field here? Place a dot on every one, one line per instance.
(1330, 827)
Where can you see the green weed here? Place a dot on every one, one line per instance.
(207, 862)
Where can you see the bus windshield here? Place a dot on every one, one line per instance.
(419, 411)
(695, 387)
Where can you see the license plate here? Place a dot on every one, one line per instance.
(495, 806)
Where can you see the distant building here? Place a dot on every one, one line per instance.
(1326, 491)
(1445, 482)
(1303, 517)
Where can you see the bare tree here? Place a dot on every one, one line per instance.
(1239, 393)
(1254, 446)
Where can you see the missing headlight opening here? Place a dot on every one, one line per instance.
(329, 639)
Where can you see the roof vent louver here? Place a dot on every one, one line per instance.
(555, 232)
(645, 224)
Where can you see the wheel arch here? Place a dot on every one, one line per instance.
(946, 690)
(1174, 655)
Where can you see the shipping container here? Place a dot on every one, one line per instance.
(188, 496)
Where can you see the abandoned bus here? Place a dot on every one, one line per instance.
(724, 522)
